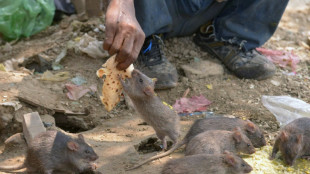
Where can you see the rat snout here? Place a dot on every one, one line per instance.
(252, 150)
(248, 169)
(94, 157)
(135, 72)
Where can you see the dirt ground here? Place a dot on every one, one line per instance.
(115, 135)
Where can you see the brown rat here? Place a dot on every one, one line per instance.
(161, 117)
(217, 141)
(293, 141)
(251, 130)
(54, 151)
(226, 163)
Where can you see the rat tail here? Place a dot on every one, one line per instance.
(10, 168)
(176, 146)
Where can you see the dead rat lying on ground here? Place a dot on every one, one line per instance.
(54, 151)
(293, 141)
(161, 117)
(218, 141)
(226, 163)
(251, 130)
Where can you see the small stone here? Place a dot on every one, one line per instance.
(193, 53)
(203, 68)
(32, 126)
(275, 83)
(252, 86)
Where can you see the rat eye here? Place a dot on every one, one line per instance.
(243, 165)
(248, 145)
(140, 80)
(87, 151)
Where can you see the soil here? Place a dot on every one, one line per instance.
(116, 136)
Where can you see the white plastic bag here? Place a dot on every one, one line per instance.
(286, 108)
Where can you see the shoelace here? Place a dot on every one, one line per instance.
(152, 54)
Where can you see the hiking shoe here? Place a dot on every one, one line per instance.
(153, 63)
(244, 64)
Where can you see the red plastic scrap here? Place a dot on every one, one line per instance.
(188, 105)
(282, 58)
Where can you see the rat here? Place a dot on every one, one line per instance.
(226, 163)
(293, 141)
(251, 130)
(217, 141)
(164, 120)
(54, 151)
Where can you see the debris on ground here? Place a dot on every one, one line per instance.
(2, 68)
(188, 105)
(60, 76)
(78, 80)
(197, 69)
(32, 126)
(151, 144)
(75, 92)
(261, 164)
(286, 108)
(15, 104)
(32, 17)
(56, 65)
(92, 47)
(282, 58)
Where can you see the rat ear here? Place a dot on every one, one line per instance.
(283, 136)
(237, 136)
(148, 91)
(229, 159)
(81, 137)
(72, 145)
(250, 127)
(299, 139)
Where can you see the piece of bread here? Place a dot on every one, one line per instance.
(112, 87)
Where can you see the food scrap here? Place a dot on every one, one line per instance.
(261, 163)
(112, 88)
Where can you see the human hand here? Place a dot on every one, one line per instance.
(124, 34)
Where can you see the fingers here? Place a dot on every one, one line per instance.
(125, 51)
(138, 44)
(117, 43)
(110, 33)
(130, 51)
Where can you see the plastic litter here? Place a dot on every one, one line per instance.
(78, 80)
(282, 58)
(49, 76)
(23, 18)
(189, 105)
(15, 104)
(286, 108)
(76, 92)
(92, 47)
(56, 65)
